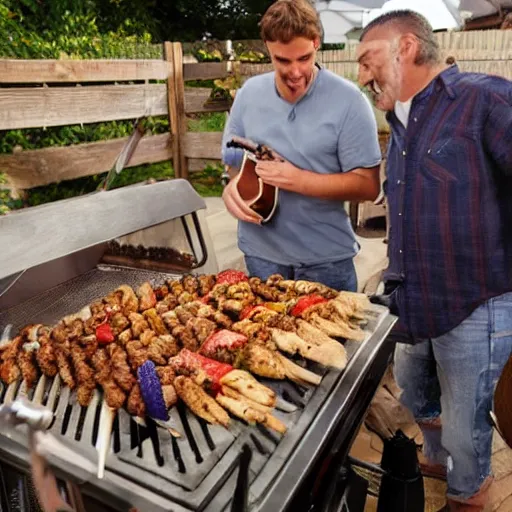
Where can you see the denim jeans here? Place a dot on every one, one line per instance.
(339, 275)
(453, 378)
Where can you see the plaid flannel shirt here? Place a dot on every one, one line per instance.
(449, 190)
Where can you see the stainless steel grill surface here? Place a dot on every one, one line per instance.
(154, 471)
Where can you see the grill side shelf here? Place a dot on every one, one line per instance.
(287, 468)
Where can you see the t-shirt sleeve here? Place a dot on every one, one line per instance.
(358, 143)
(234, 126)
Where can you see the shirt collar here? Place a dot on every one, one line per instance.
(443, 80)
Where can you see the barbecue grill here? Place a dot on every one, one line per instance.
(59, 257)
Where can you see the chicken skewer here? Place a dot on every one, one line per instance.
(143, 324)
(247, 398)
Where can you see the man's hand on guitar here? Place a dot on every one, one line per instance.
(236, 206)
(281, 174)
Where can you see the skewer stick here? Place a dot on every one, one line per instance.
(39, 391)
(11, 392)
(168, 425)
(298, 374)
(107, 415)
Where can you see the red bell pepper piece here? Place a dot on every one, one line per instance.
(306, 302)
(192, 362)
(247, 311)
(222, 339)
(231, 277)
(104, 333)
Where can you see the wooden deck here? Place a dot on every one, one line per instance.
(368, 447)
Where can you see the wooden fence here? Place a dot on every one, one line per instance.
(44, 93)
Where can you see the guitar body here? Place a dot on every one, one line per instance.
(260, 197)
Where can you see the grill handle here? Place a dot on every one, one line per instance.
(200, 238)
(240, 497)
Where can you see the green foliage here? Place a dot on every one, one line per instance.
(213, 122)
(203, 55)
(36, 138)
(252, 56)
(162, 20)
(207, 182)
(7, 203)
(29, 33)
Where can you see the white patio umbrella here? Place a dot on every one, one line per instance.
(442, 14)
(339, 17)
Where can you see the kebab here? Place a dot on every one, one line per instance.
(124, 301)
(199, 374)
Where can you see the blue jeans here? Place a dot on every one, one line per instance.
(339, 275)
(453, 378)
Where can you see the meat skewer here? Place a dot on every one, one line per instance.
(194, 313)
(113, 399)
(257, 358)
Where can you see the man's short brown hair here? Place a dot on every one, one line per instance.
(285, 20)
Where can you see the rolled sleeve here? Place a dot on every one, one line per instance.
(358, 144)
(234, 126)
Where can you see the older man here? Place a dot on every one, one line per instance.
(324, 128)
(449, 189)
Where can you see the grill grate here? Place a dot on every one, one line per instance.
(195, 470)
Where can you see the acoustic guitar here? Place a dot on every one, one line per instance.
(261, 197)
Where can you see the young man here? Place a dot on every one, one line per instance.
(449, 189)
(324, 128)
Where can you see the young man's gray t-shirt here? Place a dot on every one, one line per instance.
(331, 129)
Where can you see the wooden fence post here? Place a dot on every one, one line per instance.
(176, 100)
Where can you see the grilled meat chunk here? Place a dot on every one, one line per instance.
(135, 404)
(63, 363)
(155, 321)
(84, 375)
(137, 354)
(190, 284)
(206, 284)
(161, 348)
(166, 374)
(114, 395)
(147, 297)
(129, 300)
(121, 370)
(119, 323)
(200, 402)
(202, 328)
(139, 324)
(248, 386)
(170, 395)
(45, 356)
(27, 363)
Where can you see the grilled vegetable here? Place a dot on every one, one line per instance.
(104, 333)
(187, 362)
(222, 340)
(306, 302)
(151, 391)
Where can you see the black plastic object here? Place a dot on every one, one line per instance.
(401, 488)
(387, 298)
(348, 494)
(241, 495)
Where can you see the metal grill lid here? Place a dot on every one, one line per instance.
(40, 234)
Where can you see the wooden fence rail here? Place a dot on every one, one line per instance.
(44, 93)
